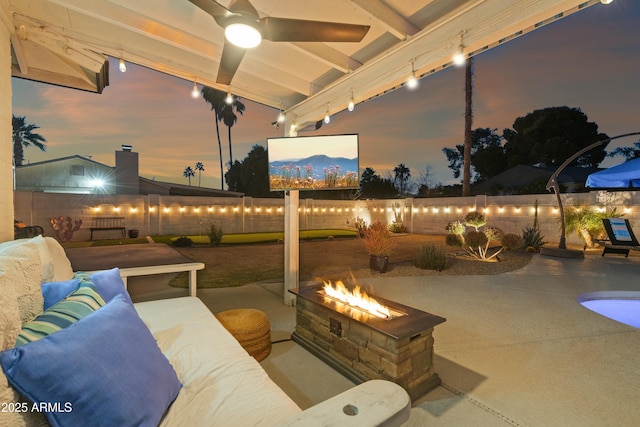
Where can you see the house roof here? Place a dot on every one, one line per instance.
(67, 42)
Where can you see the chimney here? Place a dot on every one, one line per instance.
(127, 171)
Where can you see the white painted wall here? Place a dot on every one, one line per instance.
(6, 146)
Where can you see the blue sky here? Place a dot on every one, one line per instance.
(589, 60)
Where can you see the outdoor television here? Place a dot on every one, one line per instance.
(313, 163)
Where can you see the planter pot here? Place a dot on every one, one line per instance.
(133, 233)
(378, 263)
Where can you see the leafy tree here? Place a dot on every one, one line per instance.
(487, 155)
(251, 175)
(401, 178)
(550, 136)
(216, 98)
(23, 136)
(627, 152)
(200, 169)
(229, 118)
(188, 173)
(373, 186)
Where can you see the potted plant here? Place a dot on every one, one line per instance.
(378, 242)
(133, 233)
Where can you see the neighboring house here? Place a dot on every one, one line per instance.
(73, 174)
(512, 181)
(81, 175)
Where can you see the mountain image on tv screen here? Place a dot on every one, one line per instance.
(313, 162)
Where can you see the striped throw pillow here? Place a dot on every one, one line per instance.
(80, 303)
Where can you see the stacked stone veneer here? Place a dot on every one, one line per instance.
(361, 353)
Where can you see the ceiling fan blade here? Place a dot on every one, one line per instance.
(229, 62)
(212, 7)
(299, 30)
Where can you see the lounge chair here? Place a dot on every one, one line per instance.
(621, 237)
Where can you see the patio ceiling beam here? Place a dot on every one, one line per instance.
(393, 22)
(329, 56)
(487, 23)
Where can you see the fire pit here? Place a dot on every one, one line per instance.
(392, 341)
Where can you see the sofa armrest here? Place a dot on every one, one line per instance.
(191, 267)
(373, 403)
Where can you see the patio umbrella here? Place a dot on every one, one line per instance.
(625, 175)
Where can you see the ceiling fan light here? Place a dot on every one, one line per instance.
(243, 35)
(606, 1)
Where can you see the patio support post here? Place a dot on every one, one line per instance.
(6, 144)
(291, 244)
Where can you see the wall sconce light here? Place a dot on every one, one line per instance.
(133, 210)
(167, 210)
(182, 208)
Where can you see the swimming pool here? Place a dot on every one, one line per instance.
(621, 306)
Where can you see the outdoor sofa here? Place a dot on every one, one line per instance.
(166, 362)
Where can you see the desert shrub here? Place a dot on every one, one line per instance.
(475, 219)
(531, 250)
(493, 233)
(431, 257)
(456, 228)
(512, 241)
(183, 242)
(214, 233)
(475, 238)
(397, 227)
(587, 223)
(454, 240)
(532, 238)
(377, 239)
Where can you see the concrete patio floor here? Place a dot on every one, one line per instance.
(517, 348)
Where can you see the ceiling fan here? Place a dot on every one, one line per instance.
(244, 29)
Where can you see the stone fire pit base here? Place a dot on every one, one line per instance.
(361, 352)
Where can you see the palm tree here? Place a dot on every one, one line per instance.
(200, 169)
(23, 136)
(468, 122)
(402, 175)
(188, 173)
(216, 98)
(229, 118)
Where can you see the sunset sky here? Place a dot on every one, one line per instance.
(589, 60)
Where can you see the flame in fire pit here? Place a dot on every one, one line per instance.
(356, 298)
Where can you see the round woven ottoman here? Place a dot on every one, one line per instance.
(251, 328)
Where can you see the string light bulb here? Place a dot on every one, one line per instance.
(351, 105)
(327, 117)
(281, 117)
(195, 92)
(122, 66)
(458, 57)
(412, 82)
(229, 98)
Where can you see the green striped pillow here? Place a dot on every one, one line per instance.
(80, 303)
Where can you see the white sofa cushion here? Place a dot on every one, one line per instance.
(222, 384)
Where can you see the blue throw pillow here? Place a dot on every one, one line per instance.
(54, 292)
(109, 284)
(104, 370)
(79, 304)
